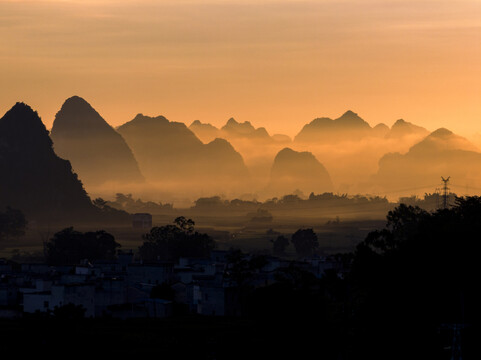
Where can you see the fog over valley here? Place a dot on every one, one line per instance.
(163, 160)
(158, 159)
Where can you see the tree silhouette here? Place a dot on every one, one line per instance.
(169, 242)
(420, 269)
(186, 225)
(305, 241)
(99, 202)
(280, 245)
(70, 247)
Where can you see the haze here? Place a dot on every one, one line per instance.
(277, 64)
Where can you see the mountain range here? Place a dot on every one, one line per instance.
(153, 152)
(350, 126)
(234, 130)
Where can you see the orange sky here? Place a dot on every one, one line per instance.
(276, 63)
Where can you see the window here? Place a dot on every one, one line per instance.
(45, 304)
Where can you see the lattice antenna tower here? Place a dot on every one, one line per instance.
(445, 192)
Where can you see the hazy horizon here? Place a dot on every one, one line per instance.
(278, 64)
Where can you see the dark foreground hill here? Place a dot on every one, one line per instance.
(33, 178)
(96, 151)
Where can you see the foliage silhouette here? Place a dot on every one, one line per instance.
(170, 242)
(70, 247)
(420, 269)
(305, 241)
(280, 245)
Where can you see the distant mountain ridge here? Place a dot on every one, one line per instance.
(441, 153)
(350, 127)
(98, 153)
(205, 132)
(234, 130)
(403, 128)
(347, 126)
(442, 140)
(245, 129)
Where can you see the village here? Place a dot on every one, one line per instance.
(126, 288)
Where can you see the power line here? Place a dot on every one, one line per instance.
(466, 187)
(408, 189)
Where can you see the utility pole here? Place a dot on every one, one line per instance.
(445, 192)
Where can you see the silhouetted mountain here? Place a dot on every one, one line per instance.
(33, 178)
(294, 170)
(281, 138)
(403, 128)
(170, 151)
(238, 133)
(380, 130)
(97, 152)
(347, 127)
(440, 141)
(162, 148)
(205, 132)
(350, 120)
(244, 130)
(441, 153)
(220, 157)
